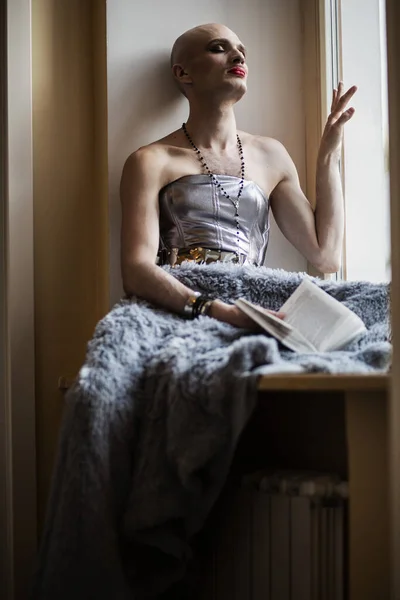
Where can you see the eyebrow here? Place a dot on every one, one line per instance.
(226, 41)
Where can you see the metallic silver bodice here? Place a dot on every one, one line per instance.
(193, 212)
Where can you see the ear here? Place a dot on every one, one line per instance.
(181, 76)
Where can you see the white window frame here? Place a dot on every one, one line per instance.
(359, 203)
(332, 70)
(323, 69)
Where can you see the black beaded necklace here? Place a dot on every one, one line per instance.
(218, 184)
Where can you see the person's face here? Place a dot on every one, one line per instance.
(216, 64)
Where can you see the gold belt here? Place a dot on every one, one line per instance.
(176, 256)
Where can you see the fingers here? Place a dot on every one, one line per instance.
(346, 116)
(334, 97)
(338, 114)
(278, 314)
(340, 99)
(348, 95)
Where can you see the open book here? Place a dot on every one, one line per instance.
(314, 321)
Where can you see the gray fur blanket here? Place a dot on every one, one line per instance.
(151, 426)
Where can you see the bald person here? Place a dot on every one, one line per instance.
(203, 192)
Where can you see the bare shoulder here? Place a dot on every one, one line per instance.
(153, 160)
(145, 158)
(265, 145)
(270, 160)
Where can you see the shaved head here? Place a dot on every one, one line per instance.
(186, 43)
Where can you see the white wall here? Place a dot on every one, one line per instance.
(144, 105)
(365, 141)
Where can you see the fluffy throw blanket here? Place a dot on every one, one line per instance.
(151, 426)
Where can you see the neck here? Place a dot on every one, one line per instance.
(212, 127)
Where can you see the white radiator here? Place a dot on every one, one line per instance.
(281, 537)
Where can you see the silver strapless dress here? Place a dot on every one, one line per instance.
(194, 213)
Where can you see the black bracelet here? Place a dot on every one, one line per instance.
(201, 306)
(187, 312)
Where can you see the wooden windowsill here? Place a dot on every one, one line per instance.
(328, 382)
(308, 381)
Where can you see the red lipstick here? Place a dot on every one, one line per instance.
(239, 71)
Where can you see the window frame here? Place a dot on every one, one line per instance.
(315, 47)
(321, 72)
(358, 264)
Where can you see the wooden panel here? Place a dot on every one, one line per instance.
(324, 382)
(312, 12)
(6, 550)
(393, 39)
(366, 418)
(313, 61)
(70, 210)
(20, 398)
(99, 55)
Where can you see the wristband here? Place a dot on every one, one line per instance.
(187, 311)
(202, 306)
(196, 305)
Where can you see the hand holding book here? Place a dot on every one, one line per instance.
(230, 313)
(313, 320)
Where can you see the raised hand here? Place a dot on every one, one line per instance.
(331, 141)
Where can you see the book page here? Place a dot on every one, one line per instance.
(319, 317)
(284, 332)
(347, 330)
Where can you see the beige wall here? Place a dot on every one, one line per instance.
(144, 105)
(70, 209)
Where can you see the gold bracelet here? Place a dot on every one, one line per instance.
(206, 308)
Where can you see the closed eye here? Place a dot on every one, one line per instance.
(224, 45)
(218, 48)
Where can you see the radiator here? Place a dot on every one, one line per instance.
(280, 536)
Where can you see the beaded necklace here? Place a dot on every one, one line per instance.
(218, 184)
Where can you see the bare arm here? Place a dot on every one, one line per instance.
(318, 234)
(140, 185)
